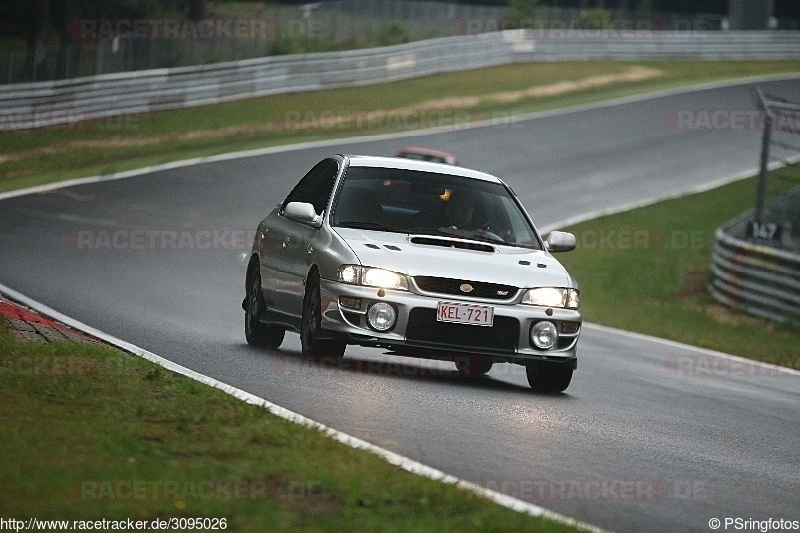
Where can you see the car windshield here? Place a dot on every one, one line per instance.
(408, 201)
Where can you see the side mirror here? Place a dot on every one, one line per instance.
(302, 212)
(561, 241)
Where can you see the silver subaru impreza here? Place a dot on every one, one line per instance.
(421, 259)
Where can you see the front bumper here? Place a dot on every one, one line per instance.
(417, 332)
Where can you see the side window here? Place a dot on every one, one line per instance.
(315, 188)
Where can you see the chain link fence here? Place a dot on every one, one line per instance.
(778, 224)
(100, 46)
(756, 259)
(93, 46)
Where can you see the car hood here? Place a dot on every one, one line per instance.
(427, 255)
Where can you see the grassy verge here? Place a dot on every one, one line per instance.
(646, 270)
(92, 433)
(111, 145)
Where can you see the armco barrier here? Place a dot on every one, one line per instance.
(60, 102)
(755, 278)
(30, 105)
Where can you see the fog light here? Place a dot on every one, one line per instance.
(381, 316)
(544, 335)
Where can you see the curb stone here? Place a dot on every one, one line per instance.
(29, 325)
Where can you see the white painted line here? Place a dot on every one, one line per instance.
(577, 219)
(416, 133)
(689, 347)
(393, 458)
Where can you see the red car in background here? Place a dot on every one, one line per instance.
(425, 154)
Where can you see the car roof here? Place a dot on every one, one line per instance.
(414, 164)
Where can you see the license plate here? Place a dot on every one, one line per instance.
(475, 315)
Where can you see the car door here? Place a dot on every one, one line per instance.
(289, 262)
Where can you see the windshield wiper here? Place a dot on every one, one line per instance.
(358, 224)
(425, 231)
(476, 235)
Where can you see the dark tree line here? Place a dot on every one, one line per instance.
(783, 8)
(32, 20)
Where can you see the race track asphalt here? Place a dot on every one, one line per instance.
(650, 436)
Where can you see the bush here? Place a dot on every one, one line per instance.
(596, 19)
(393, 33)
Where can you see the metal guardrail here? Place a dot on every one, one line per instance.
(631, 45)
(31, 105)
(755, 278)
(41, 104)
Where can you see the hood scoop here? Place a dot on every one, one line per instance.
(451, 243)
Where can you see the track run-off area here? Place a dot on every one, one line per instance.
(639, 441)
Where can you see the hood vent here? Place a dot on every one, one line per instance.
(391, 247)
(448, 243)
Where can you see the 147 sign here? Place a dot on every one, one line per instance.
(764, 231)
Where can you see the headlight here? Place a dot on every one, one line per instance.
(372, 277)
(553, 297)
(377, 277)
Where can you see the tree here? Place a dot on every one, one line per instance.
(43, 21)
(197, 9)
(522, 9)
(36, 28)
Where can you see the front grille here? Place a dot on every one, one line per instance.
(492, 291)
(502, 336)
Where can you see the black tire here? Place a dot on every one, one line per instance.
(473, 365)
(311, 344)
(256, 333)
(549, 377)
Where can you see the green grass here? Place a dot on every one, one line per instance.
(646, 270)
(105, 146)
(92, 433)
